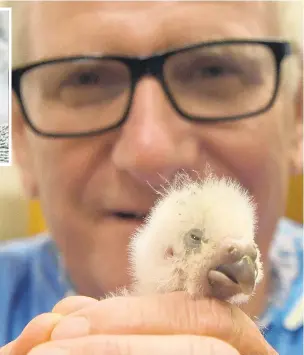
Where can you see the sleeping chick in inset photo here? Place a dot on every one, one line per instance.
(198, 238)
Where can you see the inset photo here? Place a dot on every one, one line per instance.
(5, 86)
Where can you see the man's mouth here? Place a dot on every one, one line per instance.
(130, 215)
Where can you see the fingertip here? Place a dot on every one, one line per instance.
(7, 349)
(72, 304)
(38, 331)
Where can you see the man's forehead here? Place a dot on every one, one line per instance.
(152, 9)
(165, 23)
(140, 5)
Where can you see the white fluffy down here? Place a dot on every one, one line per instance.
(221, 207)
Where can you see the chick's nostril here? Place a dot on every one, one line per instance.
(233, 253)
(232, 250)
(236, 251)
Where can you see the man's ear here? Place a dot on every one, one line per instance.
(22, 151)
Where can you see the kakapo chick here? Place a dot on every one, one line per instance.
(199, 238)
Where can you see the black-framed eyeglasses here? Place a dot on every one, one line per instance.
(206, 82)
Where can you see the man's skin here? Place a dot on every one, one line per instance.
(142, 320)
(79, 180)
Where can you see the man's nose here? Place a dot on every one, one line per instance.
(154, 140)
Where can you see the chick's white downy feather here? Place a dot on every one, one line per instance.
(199, 237)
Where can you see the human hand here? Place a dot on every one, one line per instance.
(135, 325)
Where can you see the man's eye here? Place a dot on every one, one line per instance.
(215, 71)
(88, 78)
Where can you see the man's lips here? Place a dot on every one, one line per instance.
(128, 215)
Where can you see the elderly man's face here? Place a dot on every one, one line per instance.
(84, 183)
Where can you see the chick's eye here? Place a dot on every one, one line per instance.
(193, 240)
(195, 237)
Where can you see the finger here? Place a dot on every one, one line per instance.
(40, 328)
(36, 332)
(7, 349)
(73, 303)
(137, 345)
(166, 314)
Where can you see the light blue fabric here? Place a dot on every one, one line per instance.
(32, 281)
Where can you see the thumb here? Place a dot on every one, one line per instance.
(7, 349)
(36, 332)
(72, 304)
(39, 330)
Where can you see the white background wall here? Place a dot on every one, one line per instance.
(13, 206)
(4, 64)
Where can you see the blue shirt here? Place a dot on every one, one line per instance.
(32, 281)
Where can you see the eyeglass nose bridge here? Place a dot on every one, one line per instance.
(149, 66)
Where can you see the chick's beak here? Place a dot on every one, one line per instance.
(242, 272)
(238, 277)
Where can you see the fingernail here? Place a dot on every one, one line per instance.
(71, 327)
